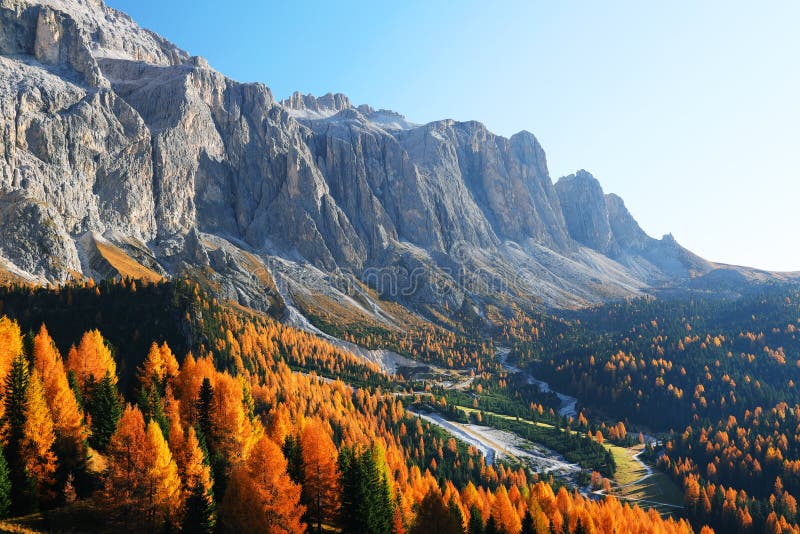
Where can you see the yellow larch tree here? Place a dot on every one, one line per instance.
(169, 361)
(38, 438)
(141, 483)
(10, 344)
(152, 367)
(279, 425)
(92, 358)
(194, 471)
(10, 348)
(159, 365)
(231, 430)
(165, 492)
(197, 501)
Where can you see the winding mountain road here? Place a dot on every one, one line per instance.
(568, 404)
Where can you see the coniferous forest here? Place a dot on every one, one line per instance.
(135, 406)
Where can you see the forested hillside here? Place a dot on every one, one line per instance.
(718, 376)
(150, 407)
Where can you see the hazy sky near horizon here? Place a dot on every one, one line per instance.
(690, 111)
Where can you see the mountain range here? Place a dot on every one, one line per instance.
(123, 155)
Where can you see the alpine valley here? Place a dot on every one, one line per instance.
(222, 312)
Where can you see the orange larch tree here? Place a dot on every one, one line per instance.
(92, 358)
(260, 496)
(504, 513)
(321, 490)
(126, 482)
(38, 437)
(67, 417)
(186, 386)
(141, 480)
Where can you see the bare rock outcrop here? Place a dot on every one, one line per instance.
(33, 238)
(111, 130)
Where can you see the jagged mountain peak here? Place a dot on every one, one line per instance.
(583, 177)
(106, 32)
(309, 106)
(337, 106)
(115, 132)
(525, 136)
(584, 206)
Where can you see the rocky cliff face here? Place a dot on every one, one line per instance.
(603, 223)
(108, 129)
(584, 207)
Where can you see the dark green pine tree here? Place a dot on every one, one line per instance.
(527, 524)
(75, 387)
(152, 406)
(220, 465)
(352, 491)
(204, 400)
(456, 516)
(293, 452)
(383, 506)
(491, 527)
(16, 384)
(248, 402)
(435, 518)
(367, 505)
(5, 487)
(201, 516)
(23, 492)
(105, 405)
(475, 525)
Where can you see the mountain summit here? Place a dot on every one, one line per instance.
(123, 155)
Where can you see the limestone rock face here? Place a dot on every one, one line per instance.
(626, 231)
(603, 223)
(84, 152)
(585, 212)
(111, 130)
(324, 106)
(33, 238)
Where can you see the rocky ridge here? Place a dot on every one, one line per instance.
(110, 130)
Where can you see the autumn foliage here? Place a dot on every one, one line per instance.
(66, 413)
(92, 359)
(244, 436)
(321, 491)
(261, 497)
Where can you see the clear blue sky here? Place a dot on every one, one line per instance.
(688, 110)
